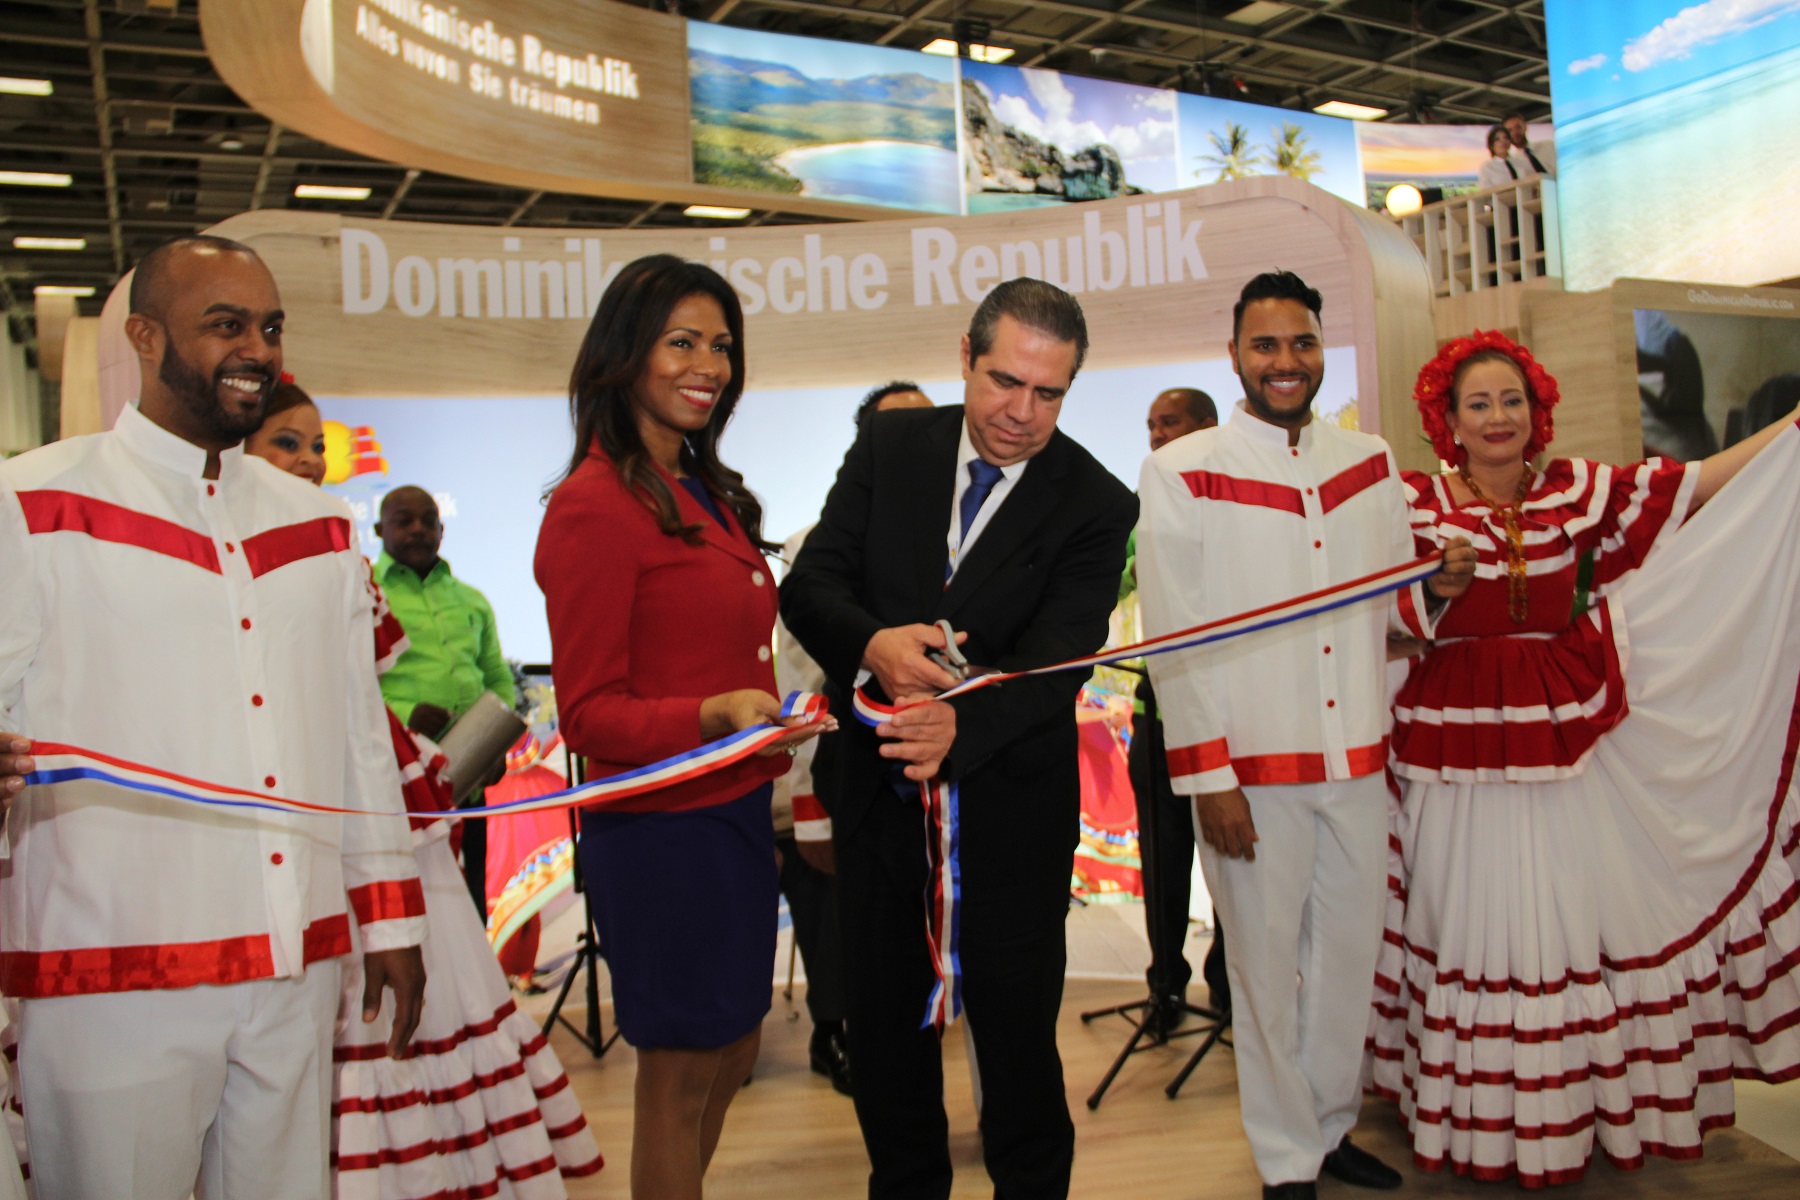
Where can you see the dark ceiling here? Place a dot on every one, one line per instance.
(158, 145)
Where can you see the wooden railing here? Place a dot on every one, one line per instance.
(1500, 237)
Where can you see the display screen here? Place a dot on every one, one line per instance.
(1707, 380)
(1679, 152)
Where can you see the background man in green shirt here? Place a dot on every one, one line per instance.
(453, 653)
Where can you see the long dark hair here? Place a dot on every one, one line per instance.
(625, 330)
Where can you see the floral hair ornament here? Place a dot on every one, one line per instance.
(1437, 378)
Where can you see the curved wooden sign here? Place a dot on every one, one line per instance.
(582, 96)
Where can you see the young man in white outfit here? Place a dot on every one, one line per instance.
(1281, 736)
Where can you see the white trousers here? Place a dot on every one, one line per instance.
(1303, 927)
(219, 1092)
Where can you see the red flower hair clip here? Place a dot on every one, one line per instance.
(1437, 379)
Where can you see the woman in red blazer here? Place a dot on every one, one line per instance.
(661, 611)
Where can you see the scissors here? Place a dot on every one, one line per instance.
(951, 656)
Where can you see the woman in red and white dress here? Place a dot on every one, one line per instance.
(480, 1106)
(1594, 924)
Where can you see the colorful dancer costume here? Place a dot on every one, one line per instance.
(1592, 923)
(480, 1106)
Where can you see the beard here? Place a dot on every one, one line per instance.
(1257, 398)
(199, 394)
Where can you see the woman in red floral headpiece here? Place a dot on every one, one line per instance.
(1594, 922)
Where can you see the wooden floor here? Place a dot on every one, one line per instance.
(789, 1135)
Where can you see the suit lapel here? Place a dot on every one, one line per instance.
(728, 537)
(1026, 506)
(937, 480)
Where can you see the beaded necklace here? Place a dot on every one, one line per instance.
(1517, 602)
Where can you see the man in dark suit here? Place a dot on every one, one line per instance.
(986, 516)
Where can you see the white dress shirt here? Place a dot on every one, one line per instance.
(958, 545)
(1234, 518)
(220, 630)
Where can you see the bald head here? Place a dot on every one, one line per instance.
(409, 528)
(1177, 412)
(151, 281)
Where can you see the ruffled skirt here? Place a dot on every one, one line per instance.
(1592, 960)
(482, 1106)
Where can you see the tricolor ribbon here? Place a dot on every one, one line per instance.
(938, 799)
(59, 763)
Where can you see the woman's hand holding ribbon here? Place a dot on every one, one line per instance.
(729, 712)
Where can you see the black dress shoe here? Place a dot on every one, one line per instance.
(831, 1058)
(1358, 1168)
(1306, 1190)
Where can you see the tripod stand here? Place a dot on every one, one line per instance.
(587, 946)
(1152, 1017)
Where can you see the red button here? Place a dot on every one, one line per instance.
(256, 700)
(1331, 704)
(1294, 451)
(210, 489)
(245, 622)
(276, 859)
(230, 549)
(1309, 491)
(1328, 649)
(1318, 545)
(268, 781)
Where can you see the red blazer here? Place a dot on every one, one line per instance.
(644, 626)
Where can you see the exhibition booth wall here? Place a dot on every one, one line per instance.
(441, 353)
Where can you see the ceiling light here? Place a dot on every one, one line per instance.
(49, 243)
(714, 210)
(321, 191)
(980, 53)
(1260, 12)
(36, 178)
(231, 143)
(61, 289)
(1343, 108)
(1403, 200)
(25, 87)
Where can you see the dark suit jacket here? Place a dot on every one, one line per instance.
(1037, 587)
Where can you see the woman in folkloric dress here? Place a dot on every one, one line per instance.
(480, 1106)
(1594, 924)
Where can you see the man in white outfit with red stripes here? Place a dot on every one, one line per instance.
(1281, 736)
(173, 969)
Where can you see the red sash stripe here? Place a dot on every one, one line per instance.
(1210, 485)
(52, 511)
(387, 900)
(1348, 482)
(275, 548)
(1192, 760)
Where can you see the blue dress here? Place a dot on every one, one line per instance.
(685, 905)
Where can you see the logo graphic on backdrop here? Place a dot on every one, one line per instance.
(866, 124)
(1678, 154)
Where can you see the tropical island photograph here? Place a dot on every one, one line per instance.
(861, 124)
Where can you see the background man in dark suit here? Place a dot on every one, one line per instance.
(986, 516)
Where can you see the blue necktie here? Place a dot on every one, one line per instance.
(983, 475)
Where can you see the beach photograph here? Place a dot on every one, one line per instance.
(861, 124)
(1033, 137)
(1678, 154)
(1230, 139)
(1447, 157)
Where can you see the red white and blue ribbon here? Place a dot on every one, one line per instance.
(938, 799)
(58, 763)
